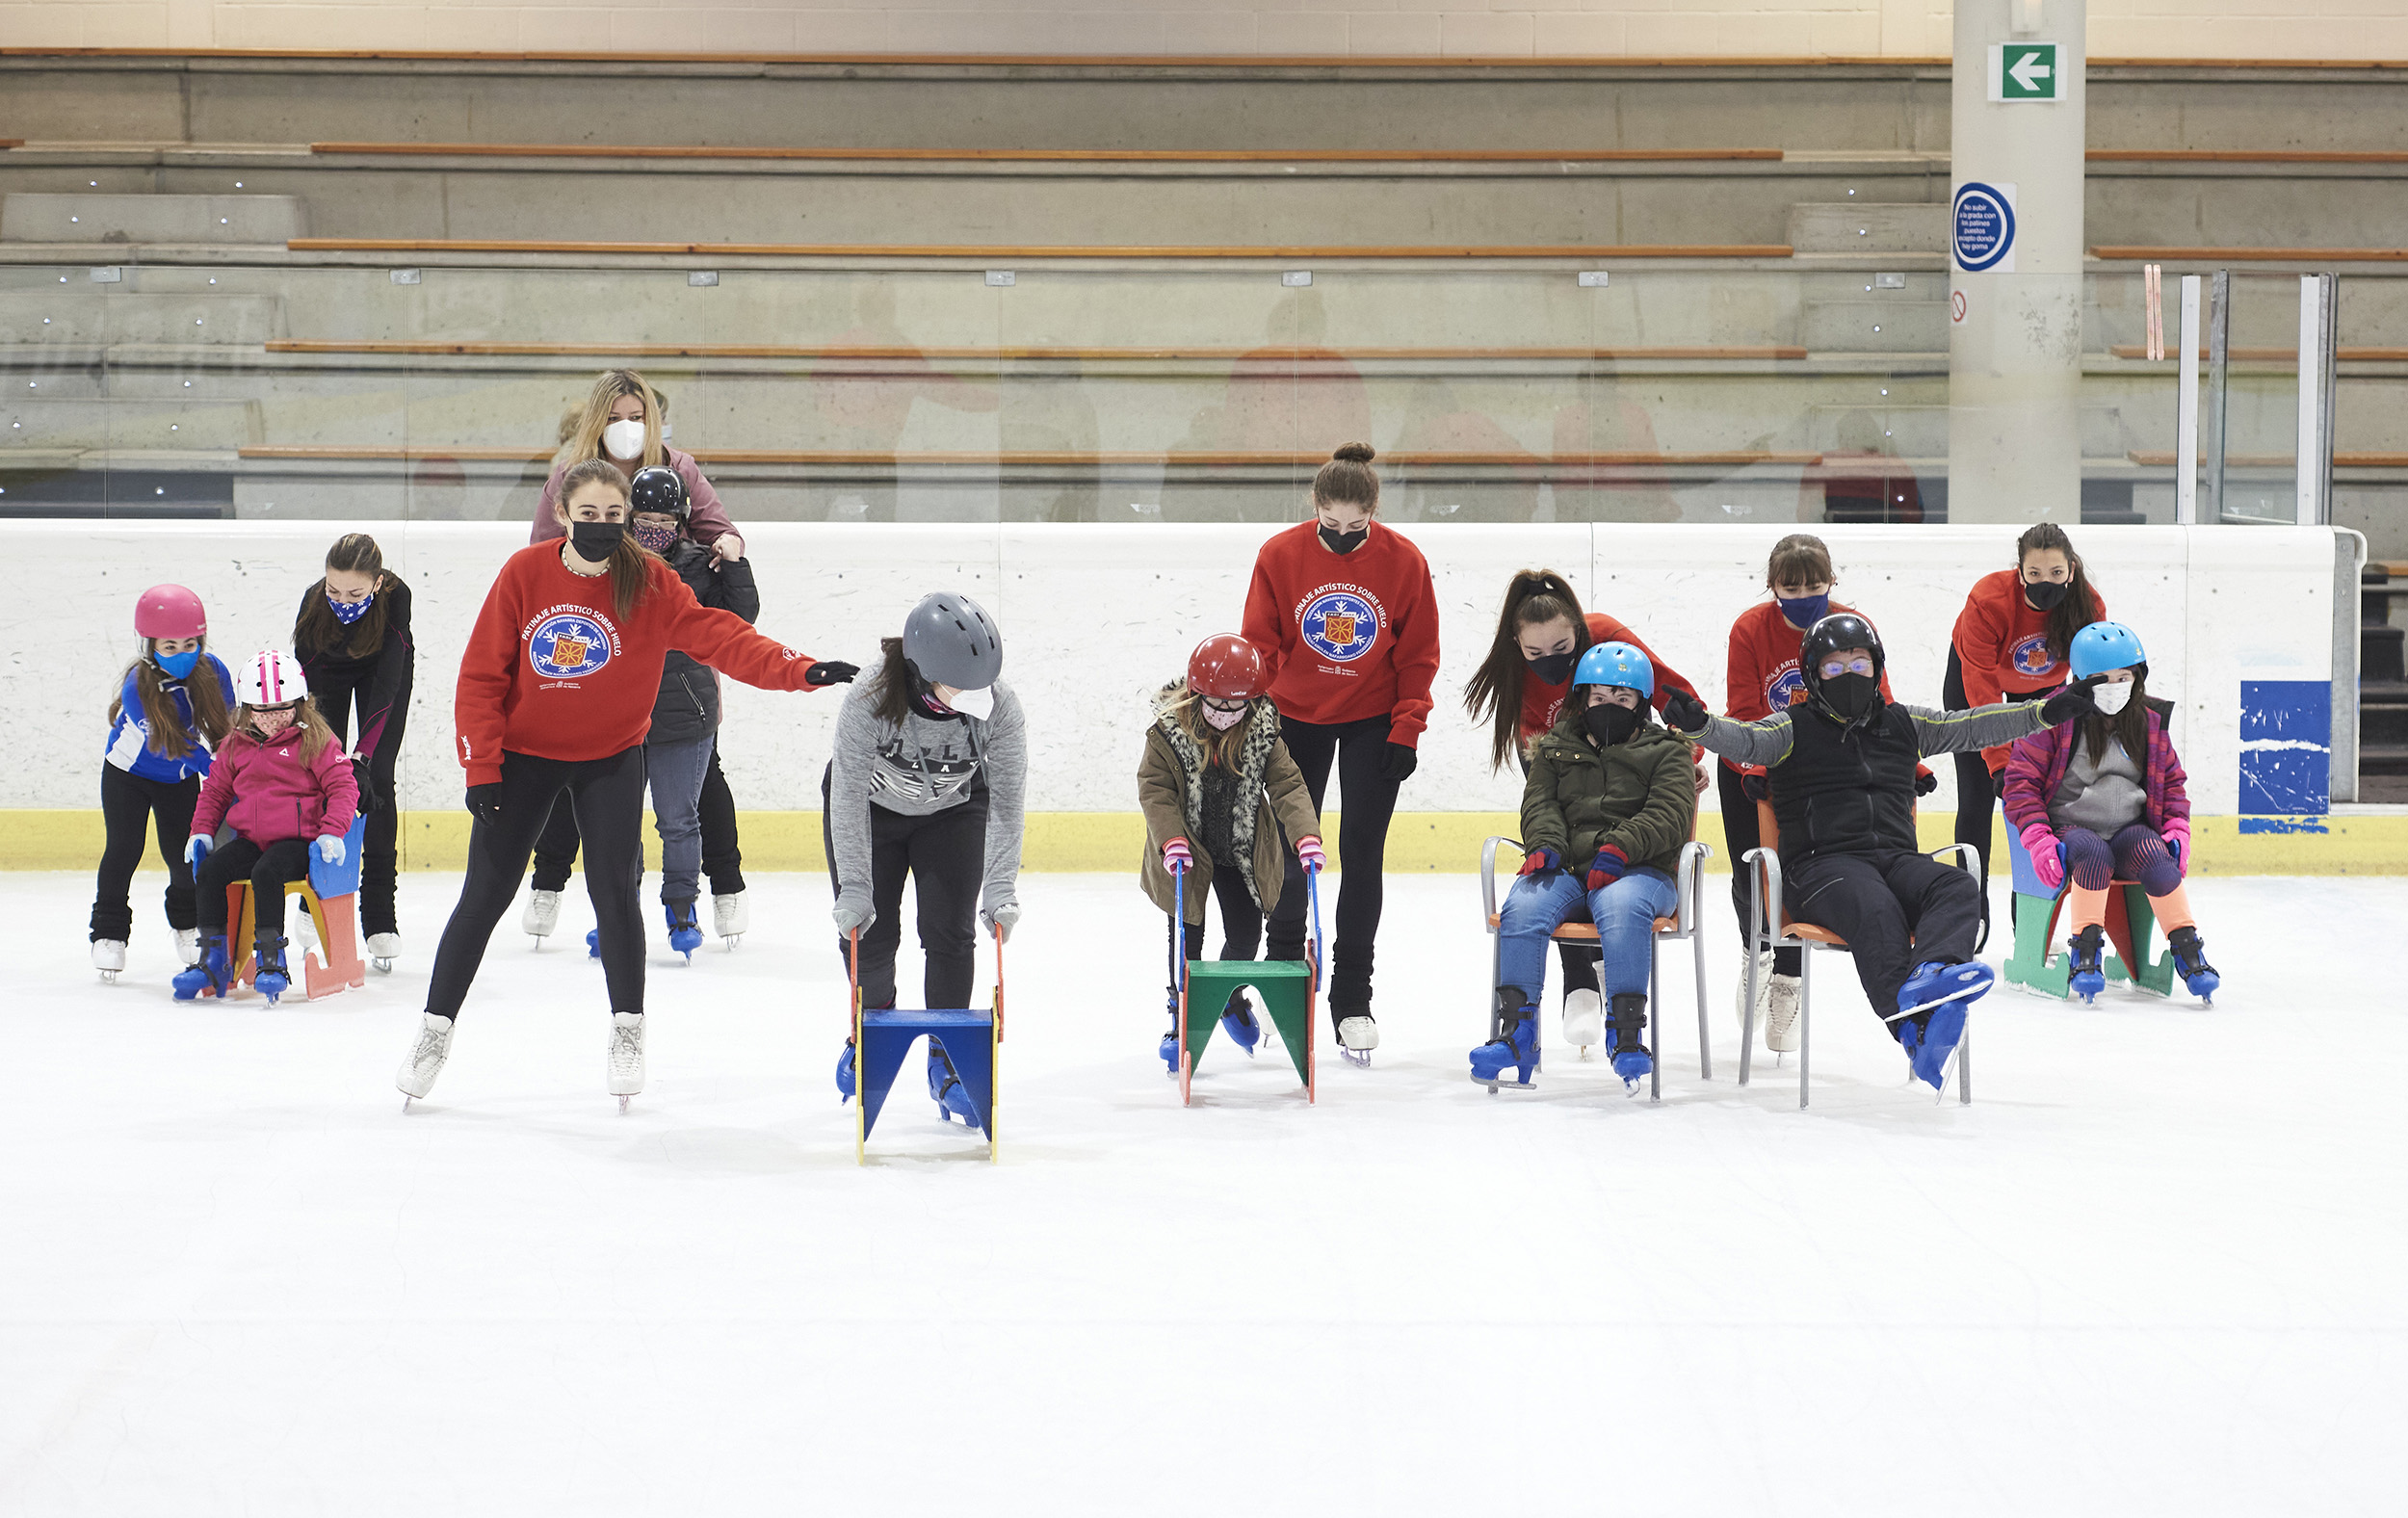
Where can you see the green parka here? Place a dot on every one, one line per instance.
(1640, 795)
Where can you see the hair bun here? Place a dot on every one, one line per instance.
(1354, 453)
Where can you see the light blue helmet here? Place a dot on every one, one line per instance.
(1616, 663)
(2106, 645)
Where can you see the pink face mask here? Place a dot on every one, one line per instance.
(266, 734)
(1222, 720)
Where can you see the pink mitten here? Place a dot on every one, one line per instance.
(2176, 836)
(2048, 860)
(1308, 853)
(1176, 858)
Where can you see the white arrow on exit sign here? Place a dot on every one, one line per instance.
(2024, 72)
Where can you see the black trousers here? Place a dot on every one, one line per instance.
(1358, 751)
(945, 856)
(128, 805)
(555, 849)
(265, 866)
(1977, 788)
(1896, 909)
(606, 796)
(1241, 925)
(1740, 834)
(380, 852)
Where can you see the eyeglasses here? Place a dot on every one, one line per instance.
(1833, 668)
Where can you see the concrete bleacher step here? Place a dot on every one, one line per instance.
(1873, 325)
(1868, 227)
(97, 217)
(80, 313)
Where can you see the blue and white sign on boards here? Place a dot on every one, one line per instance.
(1981, 227)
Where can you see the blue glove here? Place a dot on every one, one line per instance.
(330, 847)
(195, 850)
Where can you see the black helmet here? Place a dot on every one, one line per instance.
(1837, 631)
(952, 641)
(657, 488)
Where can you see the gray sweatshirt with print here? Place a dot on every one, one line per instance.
(922, 767)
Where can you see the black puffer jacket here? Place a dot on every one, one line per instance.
(687, 706)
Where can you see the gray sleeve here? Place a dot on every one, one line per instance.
(1006, 760)
(1765, 741)
(848, 790)
(1981, 727)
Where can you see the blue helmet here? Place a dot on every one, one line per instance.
(2106, 645)
(1616, 663)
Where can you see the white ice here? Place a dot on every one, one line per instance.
(2156, 1268)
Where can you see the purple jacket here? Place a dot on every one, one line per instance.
(2035, 764)
(705, 521)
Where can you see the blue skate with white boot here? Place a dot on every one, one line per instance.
(1515, 1047)
(1626, 1041)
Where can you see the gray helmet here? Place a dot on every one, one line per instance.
(952, 641)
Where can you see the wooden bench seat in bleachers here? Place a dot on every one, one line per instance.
(2251, 256)
(1580, 251)
(334, 452)
(1056, 156)
(1255, 355)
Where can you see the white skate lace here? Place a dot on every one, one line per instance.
(626, 1046)
(431, 1046)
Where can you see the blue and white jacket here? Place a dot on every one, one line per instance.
(130, 747)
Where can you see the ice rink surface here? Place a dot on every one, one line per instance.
(2157, 1267)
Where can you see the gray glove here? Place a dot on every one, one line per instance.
(999, 918)
(853, 911)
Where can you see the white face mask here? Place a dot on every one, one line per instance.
(2113, 696)
(978, 703)
(624, 440)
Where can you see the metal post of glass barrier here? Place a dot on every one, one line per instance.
(2219, 341)
(2317, 352)
(2186, 408)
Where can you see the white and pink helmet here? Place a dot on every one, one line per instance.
(170, 611)
(270, 677)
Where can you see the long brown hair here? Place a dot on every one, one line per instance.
(897, 692)
(585, 440)
(2077, 610)
(630, 563)
(1533, 598)
(315, 733)
(1186, 707)
(210, 716)
(2129, 727)
(1348, 479)
(318, 629)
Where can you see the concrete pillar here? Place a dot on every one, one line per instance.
(2015, 336)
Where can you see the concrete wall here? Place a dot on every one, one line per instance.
(2245, 29)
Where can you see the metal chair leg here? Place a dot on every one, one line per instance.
(1805, 1017)
(1965, 1065)
(1654, 999)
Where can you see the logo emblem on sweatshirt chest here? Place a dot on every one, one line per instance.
(568, 647)
(2032, 656)
(1340, 625)
(1786, 690)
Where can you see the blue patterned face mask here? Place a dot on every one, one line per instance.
(348, 612)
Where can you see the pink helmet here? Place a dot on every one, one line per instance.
(170, 611)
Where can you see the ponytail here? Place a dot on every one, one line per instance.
(1494, 693)
(2080, 608)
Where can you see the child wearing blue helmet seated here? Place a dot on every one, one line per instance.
(1610, 799)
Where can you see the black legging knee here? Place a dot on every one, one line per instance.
(128, 807)
(1359, 751)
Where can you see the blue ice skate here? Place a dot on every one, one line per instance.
(270, 976)
(2190, 963)
(685, 934)
(1169, 1051)
(1515, 1048)
(2087, 978)
(1935, 982)
(1931, 1046)
(1237, 1020)
(1625, 1038)
(844, 1075)
(208, 974)
(952, 1099)
(593, 943)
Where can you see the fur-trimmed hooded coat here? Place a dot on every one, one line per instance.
(1171, 792)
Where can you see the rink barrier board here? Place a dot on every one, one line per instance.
(1434, 843)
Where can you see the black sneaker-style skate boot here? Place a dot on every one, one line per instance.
(1515, 1048)
(1626, 1039)
(2086, 978)
(2190, 963)
(269, 975)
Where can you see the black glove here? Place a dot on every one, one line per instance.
(1401, 763)
(1756, 787)
(1926, 782)
(1685, 713)
(485, 804)
(369, 801)
(2070, 702)
(830, 671)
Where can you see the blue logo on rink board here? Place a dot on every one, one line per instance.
(568, 647)
(2032, 656)
(1340, 625)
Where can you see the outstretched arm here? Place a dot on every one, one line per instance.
(1765, 741)
(1981, 727)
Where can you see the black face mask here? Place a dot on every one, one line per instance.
(596, 542)
(1609, 725)
(1553, 668)
(1851, 696)
(1344, 542)
(2044, 595)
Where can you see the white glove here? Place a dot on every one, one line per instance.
(330, 847)
(851, 911)
(195, 850)
(1000, 918)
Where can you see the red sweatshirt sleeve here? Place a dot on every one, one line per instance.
(479, 713)
(1980, 639)
(1265, 624)
(1604, 629)
(1743, 682)
(1416, 663)
(723, 639)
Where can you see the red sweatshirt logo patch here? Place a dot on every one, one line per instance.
(2032, 657)
(1339, 622)
(568, 645)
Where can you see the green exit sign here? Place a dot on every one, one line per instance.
(2026, 72)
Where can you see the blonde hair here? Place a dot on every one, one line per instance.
(1186, 707)
(584, 439)
(316, 735)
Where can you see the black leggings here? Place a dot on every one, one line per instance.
(1977, 788)
(1740, 834)
(607, 796)
(265, 866)
(1896, 909)
(1359, 750)
(1241, 923)
(380, 852)
(945, 856)
(556, 850)
(129, 803)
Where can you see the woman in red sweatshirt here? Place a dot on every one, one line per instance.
(1346, 619)
(556, 694)
(1519, 690)
(2010, 643)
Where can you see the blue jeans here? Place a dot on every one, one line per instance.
(677, 771)
(1625, 913)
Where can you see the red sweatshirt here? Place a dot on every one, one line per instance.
(1764, 676)
(2002, 646)
(551, 670)
(1542, 703)
(1346, 637)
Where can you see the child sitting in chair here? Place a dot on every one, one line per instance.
(1842, 769)
(1219, 789)
(2102, 799)
(1610, 799)
(280, 780)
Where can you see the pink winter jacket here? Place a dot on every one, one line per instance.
(269, 793)
(705, 519)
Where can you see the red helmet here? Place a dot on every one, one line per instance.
(1226, 668)
(170, 611)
